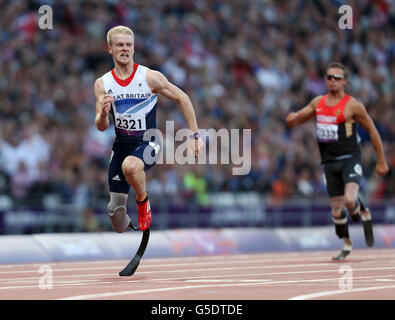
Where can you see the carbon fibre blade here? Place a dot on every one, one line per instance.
(131, 268)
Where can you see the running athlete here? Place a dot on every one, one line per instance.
(129, 93)
(336, 115)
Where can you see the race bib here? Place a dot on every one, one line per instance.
(327, 132)
(130, 122)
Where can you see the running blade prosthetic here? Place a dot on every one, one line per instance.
(368, 228)
(131, 268)
(342, 255)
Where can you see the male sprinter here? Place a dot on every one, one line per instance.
(129, 93)
(336, 114)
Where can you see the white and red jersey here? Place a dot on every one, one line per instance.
(337, 139)
(134, 107)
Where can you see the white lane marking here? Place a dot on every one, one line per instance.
(131, 292)
(216, 278)
(147, 260)
(260, 283)
(146, 263)
(170, 265)
(152, 262)
(175, 258)
(271, 281)
(65, 284)
(221, 269)
(193, 270)
(384, 280)
(334, 292)
(229, 280)
(278, 256)
(22, 265)
(208, 278)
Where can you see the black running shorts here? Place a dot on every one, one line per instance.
(340, 172)
(148, 152)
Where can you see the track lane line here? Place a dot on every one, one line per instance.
(326, 255)
(163, 265)
(221, 269)
(334, 292)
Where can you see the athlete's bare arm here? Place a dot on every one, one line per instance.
(303, 115)
(360, 115)
(103, 105)
(158, 83)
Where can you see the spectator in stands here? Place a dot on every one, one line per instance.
(263, 57)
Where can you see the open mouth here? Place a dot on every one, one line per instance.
(125, 55)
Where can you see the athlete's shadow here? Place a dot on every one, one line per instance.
(351, 260)
(119, 279)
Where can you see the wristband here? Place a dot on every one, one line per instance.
(195, 136)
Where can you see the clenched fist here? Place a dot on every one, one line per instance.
(382, 168)
(105, 105)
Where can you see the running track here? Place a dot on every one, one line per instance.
(265, 276)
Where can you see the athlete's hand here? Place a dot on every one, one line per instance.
(382, 168)
(106, 105)
(291, 119)
(195, 146)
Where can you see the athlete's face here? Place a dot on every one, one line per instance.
(122, 48)
(335, 79)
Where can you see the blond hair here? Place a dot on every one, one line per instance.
(118, 29)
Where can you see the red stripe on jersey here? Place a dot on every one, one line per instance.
(331, 114)
(127, 81)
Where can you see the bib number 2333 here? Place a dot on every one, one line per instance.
(327, 132)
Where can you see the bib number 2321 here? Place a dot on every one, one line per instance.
(130, 124)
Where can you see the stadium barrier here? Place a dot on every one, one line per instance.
(225, 210)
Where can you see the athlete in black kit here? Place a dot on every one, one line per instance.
(336, 116)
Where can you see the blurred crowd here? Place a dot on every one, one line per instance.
(244, 64)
